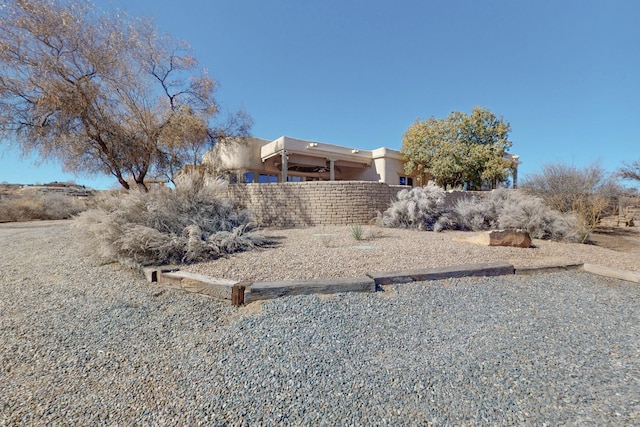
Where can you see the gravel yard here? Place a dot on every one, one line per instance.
(85, 344)
(322, 252)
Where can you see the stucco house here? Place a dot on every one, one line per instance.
(289, 159)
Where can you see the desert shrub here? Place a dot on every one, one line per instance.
(425, 208)
(194, 222)
(504, 209)
(39, 206)
(422, 208)
(589, 192)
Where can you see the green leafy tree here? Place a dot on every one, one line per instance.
(459, 149)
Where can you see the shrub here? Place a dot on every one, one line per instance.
(39, 206)
(425, 209)
(504, 209)
(422, 208)
(589, 192)
(192, 223)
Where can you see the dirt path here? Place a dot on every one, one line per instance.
(617, 239)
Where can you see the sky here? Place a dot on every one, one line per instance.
(565, 74)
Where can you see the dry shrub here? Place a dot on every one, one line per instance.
(422, 208)
(510, 210)
(39, 206)
(194, 222)
(589, 192)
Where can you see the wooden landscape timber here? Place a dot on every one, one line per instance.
(269, 290)
(629, 276)
(239, 293)
(465, 270)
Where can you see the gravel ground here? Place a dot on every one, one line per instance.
(84, 344)
(322, 252)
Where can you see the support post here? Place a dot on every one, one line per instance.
(285, 166)
(332, 171)
(237, 295)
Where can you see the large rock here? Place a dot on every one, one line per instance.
(516, 238)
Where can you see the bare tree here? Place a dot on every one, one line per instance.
(630, 171)
(589, 192)
(102, 93)
(229, 131)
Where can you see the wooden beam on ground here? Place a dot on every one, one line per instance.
(199, 284)
(269, 290)
(465, 270)
(549, 268)
(629, 276)
(152, 273)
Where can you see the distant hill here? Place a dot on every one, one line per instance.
(66, 188)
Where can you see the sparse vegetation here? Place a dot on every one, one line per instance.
(192, 223)
(590, 193)
(39, 206)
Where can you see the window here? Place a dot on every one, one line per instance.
(405, 180)
(248, 177)
(294, 179)
(265, 178)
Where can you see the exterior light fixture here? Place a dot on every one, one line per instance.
(355, 150)
(312, 145)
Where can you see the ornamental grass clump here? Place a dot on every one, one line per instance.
(194, 222)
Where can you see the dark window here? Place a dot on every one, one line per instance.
(406, 181)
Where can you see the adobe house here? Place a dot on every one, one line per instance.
(289, 159)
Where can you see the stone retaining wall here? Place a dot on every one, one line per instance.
(299, 204)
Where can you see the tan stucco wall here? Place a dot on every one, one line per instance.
(237, 155)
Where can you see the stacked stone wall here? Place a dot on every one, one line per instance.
(300, 204)
(297, 204)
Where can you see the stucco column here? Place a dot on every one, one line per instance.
(516, 162)
(332, 172)
(285, 166)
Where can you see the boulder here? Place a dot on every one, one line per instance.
(515, 238)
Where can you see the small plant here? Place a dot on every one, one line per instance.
(357, 231)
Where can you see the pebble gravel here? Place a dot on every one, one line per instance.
(87, 344)
(331, 251)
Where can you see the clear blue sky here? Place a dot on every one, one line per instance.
(565, 74)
